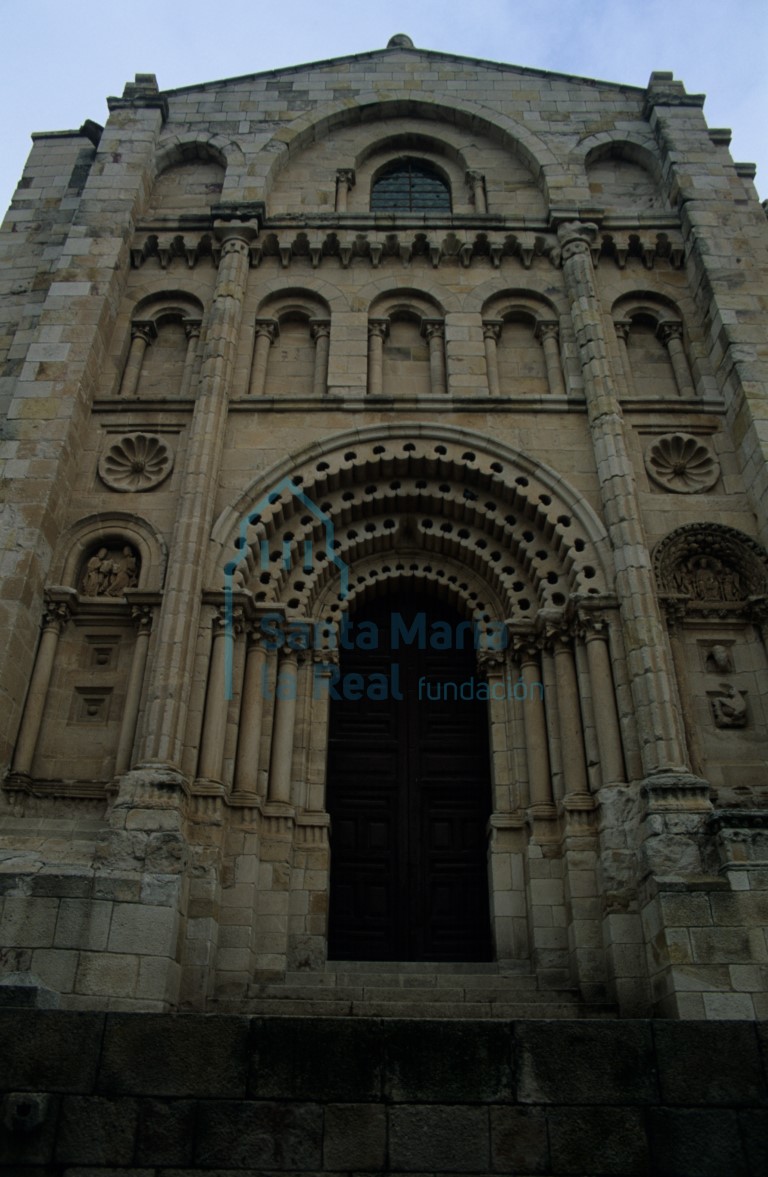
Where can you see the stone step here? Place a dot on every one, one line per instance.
(421, 980)
(434, 995)
(500, 1011)
(418, 966)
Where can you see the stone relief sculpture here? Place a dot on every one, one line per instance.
(719, 660)
(729, 707)
(711, 564)
(681, 463)
(110, 571)
(138, 461)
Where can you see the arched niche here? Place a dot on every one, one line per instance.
(363, 141)
(522, 337)
(624, 177)
(190, 179)
(653, 346)
(404, 319)
(164, 330)
(291, 341)
(113, 530)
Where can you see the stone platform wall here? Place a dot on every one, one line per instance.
(143, 1095)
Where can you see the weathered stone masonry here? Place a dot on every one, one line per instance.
(499, 337)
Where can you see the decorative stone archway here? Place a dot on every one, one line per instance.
(509, 545)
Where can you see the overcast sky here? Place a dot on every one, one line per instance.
(62, 59)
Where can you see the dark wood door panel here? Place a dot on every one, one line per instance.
(409, 799)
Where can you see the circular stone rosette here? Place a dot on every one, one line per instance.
(682, 463)
(138, 461)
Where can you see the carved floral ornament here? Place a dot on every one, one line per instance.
(138, 461)
(681, 463)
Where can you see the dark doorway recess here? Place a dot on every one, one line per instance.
(409, 798)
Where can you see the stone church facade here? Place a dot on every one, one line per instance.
(384, 583)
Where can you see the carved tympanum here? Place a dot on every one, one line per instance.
(138, 461)
(109, 572)
(682, 463)
(712, 564)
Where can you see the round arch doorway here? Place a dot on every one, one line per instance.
(409, 790)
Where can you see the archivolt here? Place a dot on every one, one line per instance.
(501, 534)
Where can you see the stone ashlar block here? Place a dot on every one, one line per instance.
(174, 1055)
(598, 1140)
(453, 1139)
(142, 929)
(698, 1143)
(443, 1061)
(165, 1132)
(585, 1064)
(340, 1061)
(685, 1052)
(256, 1136)
(519, 1142)
(49, 1050)
(355, 1136)
(96, 1131)
(83, 923)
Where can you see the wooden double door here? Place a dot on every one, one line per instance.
(408, 791)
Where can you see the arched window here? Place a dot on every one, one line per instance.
(410, 185)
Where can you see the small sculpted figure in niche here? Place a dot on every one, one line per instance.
(729, 708)
(708, 579)
(108, 573)
(92, 580)
(719, 660)
(125, 575)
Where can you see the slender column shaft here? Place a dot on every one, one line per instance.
(55, 617)
(142, 615)
(286, 695)
(548, 334)
(476, 181)
(141, 336)
(266, 333)
(192, 331)
(606, 714)
(216, 706)
(180, 610)
(623, 328)
(661, 736)
(377, 333)
(345, 180)
(539, 778)
(569, 717)
(671, 335)
(251, 721)
(435, 335)
(491, 337)
(321, 333)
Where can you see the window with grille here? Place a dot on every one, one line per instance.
(410, 186)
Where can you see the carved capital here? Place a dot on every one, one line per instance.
(345, 177)
(623, 328)
(192, 328)
(492, 329)
(378, 328)
(319, 328)
(576, 237)
(547, 329)
(433, 329)
(59, 605)
(668, 330)
(269, 328)
(144, 329)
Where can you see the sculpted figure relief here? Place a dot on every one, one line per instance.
(109, 572)
(729, 707)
